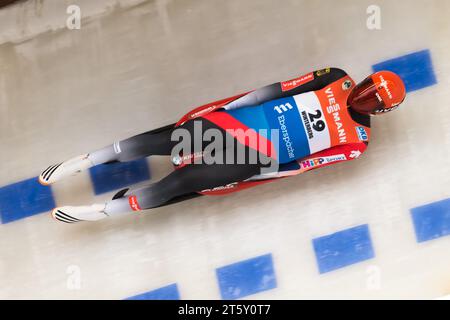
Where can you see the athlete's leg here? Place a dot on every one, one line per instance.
(152, 142)
(182, 182)
(155, 142)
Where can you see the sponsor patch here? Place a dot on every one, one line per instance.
(347, 84)
(314, 162)
(294, 83)
(132, 200)
(225, 187)
(362, 134)
(200, 112)
(322, 72)
(355, 154)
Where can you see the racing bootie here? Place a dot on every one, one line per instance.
(67, 168)
(70, 214)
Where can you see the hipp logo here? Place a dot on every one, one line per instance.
(362, 134)
(314, 162)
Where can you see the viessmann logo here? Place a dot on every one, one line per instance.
(294, 83)
(384, 85)
(225, 187)
(334, 109)
(198, 113)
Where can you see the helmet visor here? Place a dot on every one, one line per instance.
(364, 98)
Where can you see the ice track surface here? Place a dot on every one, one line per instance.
(373, 228)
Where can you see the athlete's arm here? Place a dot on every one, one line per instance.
(309, 82)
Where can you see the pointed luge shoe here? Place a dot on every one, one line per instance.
(69, 214)
(67, 168)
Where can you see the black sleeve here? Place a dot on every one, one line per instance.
(320, 79)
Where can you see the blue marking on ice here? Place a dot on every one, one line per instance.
(415, 69)
(343, 248)
(432, 220)
(113, 176)
(169, 292)
(23, 199)
(246, 277)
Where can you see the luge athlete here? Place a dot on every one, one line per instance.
(318, 119)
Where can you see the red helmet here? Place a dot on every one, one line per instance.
(380, 92)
